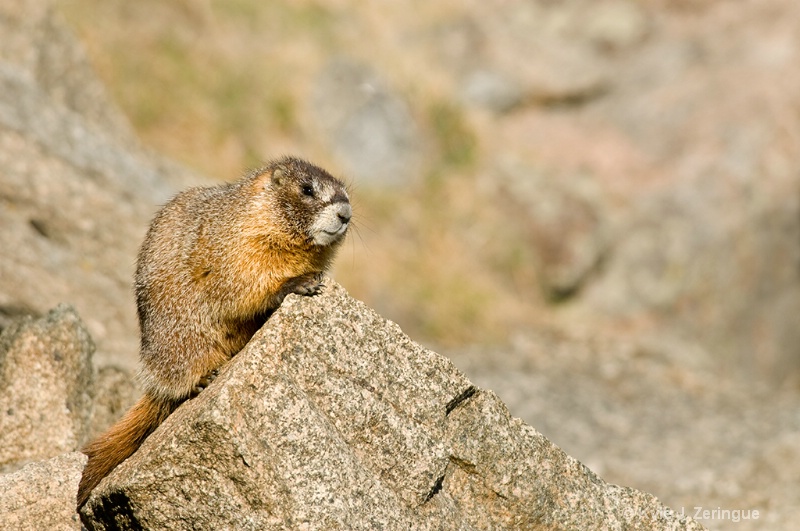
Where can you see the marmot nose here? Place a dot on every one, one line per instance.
(345, 212)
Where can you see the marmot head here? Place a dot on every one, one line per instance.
(313, 206)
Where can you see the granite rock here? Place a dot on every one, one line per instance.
(332, 418)
(46, 387)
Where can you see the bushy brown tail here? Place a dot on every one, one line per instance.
(121, 440)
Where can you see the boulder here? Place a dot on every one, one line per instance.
(46, 387)
(42, 495)
(332, 418)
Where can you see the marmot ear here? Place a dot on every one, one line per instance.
(278, 175)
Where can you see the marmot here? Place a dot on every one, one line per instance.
(214, 264)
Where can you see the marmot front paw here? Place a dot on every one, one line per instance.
(308, 284)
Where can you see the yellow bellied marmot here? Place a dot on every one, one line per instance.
(213, 266)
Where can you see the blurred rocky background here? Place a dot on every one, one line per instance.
(592, 206)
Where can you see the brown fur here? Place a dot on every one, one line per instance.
(214, 264)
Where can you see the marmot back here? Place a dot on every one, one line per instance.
(214, 264)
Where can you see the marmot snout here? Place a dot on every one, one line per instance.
(331, 223)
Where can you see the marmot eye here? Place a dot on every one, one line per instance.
(308, 190)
